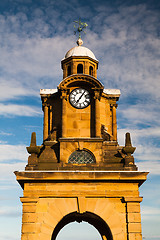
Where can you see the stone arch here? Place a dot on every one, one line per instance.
(89, 217)
(51, 211)
(92, 147)
(76, 79)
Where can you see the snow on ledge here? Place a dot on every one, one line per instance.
(48, 91)
(106, 91)
(112, 91)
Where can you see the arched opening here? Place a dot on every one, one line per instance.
(79, 231)
(91, 70)
(88, 217)
(69, 71)
(80, 68)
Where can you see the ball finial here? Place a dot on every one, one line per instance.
(79, 42)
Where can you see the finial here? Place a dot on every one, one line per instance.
(128, 149)
(128, 140)
(79, 42)
(81, 26)
(33, 148)
(33, 140)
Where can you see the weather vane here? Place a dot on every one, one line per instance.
(81, 27)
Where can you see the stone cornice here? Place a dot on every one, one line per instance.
(80, 176)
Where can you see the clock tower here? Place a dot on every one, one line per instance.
(80, 173)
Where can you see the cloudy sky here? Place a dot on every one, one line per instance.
(34, 37)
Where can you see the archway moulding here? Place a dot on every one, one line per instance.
(83, 78)
(54, 213)
(88, 217)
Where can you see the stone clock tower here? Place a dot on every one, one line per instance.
(80, 173)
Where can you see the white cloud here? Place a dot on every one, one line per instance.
(2, 133)
(7, 187)
(150, 221)
(124, 43)
(148, 211)
(12, 152)
(148, 152)
(3, 142)
(146, 113)
(34, 56)
(7, 171)
(12, 158)
(6, 211)
(128, 47)
(9, 236)
(149, 166)
(138, 134)
(18, 110)
(11, 89)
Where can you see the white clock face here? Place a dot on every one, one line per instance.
(79, 98)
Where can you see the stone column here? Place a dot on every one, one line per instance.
(64, 113)
(45, 122)
(114, 122)
(95, 71)
(51, 118)
(73, 68)
(133, 217)
(64, 71)
(86, 68)
(97, 114)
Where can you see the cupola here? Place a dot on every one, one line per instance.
(79, 60)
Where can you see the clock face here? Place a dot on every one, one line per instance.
(79, 98)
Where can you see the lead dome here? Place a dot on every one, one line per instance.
(80, 51)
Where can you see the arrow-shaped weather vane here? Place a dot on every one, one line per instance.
(80, 28)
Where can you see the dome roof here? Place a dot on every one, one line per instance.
(80, 51)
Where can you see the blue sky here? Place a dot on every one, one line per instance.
(34, 37)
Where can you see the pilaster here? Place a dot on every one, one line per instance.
(114, 122)
(97, 113)
(133, 218)
(45, 121)
(73, 68)
(30, 227)
(64, 112)
(51, 118)
(86, 68)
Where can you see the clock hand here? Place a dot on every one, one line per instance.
(80, 97)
